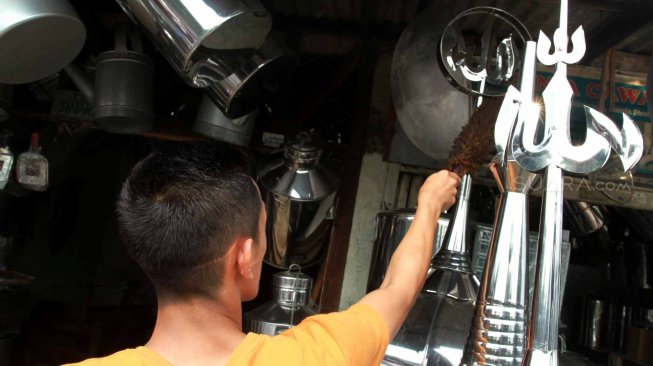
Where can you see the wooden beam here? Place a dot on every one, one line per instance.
(339, 242)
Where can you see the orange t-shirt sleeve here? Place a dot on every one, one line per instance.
(357, 336)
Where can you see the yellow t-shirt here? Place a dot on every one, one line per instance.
(357, 336)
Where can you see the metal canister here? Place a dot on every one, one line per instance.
(123, 87)
(299, 194)
(290, 305)
(391, 226)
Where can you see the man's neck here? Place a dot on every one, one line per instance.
(198, 331)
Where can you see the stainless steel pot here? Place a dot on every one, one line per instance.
(299, 194)
(185, 30)
(211, 122)
(391, 226)
(37, 38)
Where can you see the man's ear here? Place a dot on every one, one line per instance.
(245, 252)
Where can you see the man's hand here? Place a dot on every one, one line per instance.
(409, 263)
(439, 191)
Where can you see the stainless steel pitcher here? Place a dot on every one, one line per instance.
(299, 194)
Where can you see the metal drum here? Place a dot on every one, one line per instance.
(391, 226)
(299, 194)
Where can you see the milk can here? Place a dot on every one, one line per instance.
(299, 194)
(289, 306)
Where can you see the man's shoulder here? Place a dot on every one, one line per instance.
(139, 356)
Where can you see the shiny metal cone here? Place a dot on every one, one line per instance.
(498, 330)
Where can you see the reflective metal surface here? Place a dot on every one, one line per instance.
(487, 66)
(498, 331)
(290, 305)
(240, 81)
(180, 28)
(391, 226)
(211, 122)
(430, 110)
(299, 195)
(557, 153)
(436, 328)
(37, 38)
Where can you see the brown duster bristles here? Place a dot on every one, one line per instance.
(474, 145)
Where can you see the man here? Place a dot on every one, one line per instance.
(193, 219)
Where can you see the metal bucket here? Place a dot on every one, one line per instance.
(185, 29)
(123, 87)
(391, 226)
(211, 122)
(37, 38)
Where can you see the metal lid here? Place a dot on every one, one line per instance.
(293, 279)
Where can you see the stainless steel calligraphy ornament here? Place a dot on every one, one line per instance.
(498, 332)
(555, 153)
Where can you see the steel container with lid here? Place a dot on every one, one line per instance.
(299, 194)
(391, 226)
(289, 306)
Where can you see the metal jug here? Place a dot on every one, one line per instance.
(290, 305)
(299, 194)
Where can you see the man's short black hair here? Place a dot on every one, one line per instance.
(180, 209)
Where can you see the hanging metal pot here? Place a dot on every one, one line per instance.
(299, 194)
(37, 38)
(187, 30)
